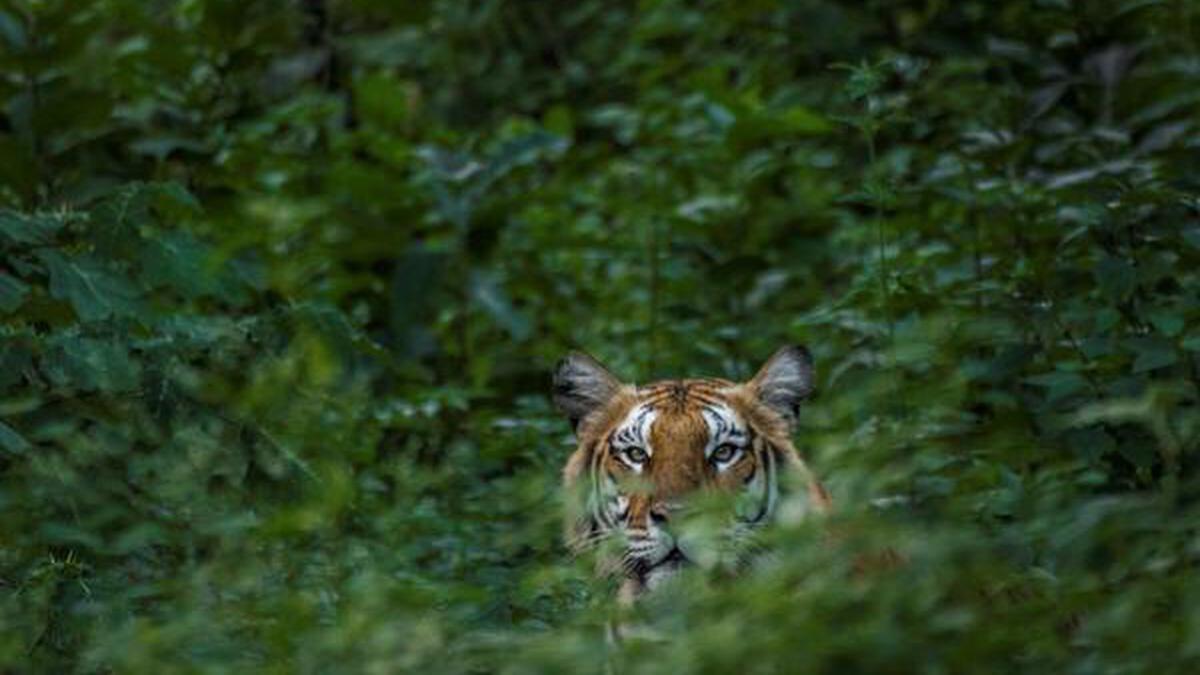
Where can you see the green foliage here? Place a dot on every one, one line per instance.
(281, 283)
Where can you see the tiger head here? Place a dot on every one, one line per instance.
(646, 453)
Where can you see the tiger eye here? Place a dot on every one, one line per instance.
(636, 455)
(724, 453)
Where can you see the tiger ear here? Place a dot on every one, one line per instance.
(581, 386)
(784, 381)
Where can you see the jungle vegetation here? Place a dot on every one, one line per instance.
(282, 283)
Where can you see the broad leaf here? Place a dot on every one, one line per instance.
(23, 228)
(12, 441)
(94, 290)
(12, 292)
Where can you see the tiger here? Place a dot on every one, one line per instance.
(644, 452)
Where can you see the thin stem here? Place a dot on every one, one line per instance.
(977, 254)
(884, 294)
(35, 101)
(652, 337)
(881, 237)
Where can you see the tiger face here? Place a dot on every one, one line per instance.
(647, 454)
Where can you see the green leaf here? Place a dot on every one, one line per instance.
(521, 151)
(161, 146)
(133, 210)
(91, 364)
(1192, 236)
(376, 96)
(12, 292)
(1105, 318)
(1139, 452)
(496, 303)
(1058, 384)
(173, 194)
(12, 441)
(1091, 443)
(23, 228)
(865, 78)
(560, 120)
(1169, 323)
(1152, 353)
(1116, 277)
(180, 261)
(801, 120)
(413, 299)
(16, 358)
(197, 332)
(93, 290)
(12, 32)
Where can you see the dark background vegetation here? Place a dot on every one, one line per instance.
(281, 283)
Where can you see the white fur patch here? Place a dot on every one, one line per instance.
(724, 426)
(634, 431)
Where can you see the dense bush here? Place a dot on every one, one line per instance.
(282, 282)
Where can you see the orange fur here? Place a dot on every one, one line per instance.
(678, 435)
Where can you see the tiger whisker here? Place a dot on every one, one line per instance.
(587, 541)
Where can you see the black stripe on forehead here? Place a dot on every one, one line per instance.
(631, 433)
(641, 416)
(723, 425)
